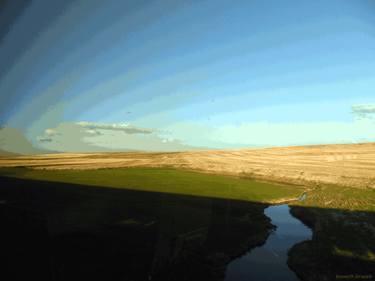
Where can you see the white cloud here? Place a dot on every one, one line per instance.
(362, 111)
(90, 136)
(50, 132)
(187, 135)
(364, 108)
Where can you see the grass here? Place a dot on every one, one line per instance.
(167, 181)
(183, 182)
(367, 256)
(342, 218)
(342, 243)
(96, 232)
(339, 197)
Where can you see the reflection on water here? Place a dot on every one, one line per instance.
(269, 262)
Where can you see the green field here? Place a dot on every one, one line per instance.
(340, 197)
(341, 218)
(183, 182)
(342, 244)
(166, 181)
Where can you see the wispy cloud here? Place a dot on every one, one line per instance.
(51, 132)
(363, 110)
(90, 136)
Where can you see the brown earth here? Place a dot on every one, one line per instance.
(343, 164)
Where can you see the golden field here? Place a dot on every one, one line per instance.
(345, 164)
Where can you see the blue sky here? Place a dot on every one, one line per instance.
(216, 74)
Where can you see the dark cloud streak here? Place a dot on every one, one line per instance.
(128, 129)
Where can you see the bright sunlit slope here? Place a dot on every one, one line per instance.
(334, 176)
(343, 165)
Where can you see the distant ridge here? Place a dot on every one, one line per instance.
(13, 142)
(4, 153)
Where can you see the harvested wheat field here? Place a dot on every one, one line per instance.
(346, 165)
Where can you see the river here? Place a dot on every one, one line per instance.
(269, 261)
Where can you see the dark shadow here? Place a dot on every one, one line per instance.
(58, 231)
(342, 246)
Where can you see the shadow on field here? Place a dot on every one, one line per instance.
(57, 231)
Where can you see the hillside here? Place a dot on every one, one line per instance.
(346, 165)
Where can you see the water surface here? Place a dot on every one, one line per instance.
(269, 262)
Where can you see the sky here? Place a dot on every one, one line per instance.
(92, 75)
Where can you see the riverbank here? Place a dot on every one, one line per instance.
(342, 245)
